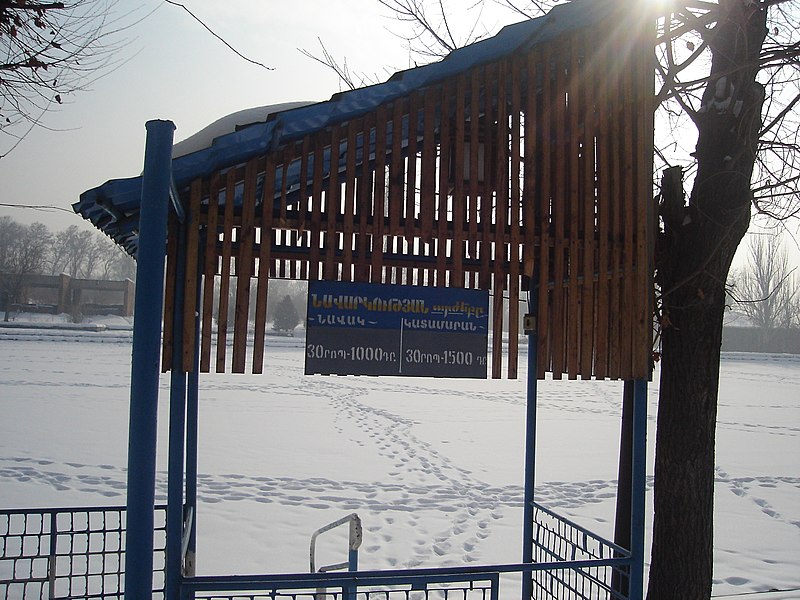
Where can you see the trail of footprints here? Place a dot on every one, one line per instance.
(747, 487)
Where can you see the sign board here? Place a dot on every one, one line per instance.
(409, 331)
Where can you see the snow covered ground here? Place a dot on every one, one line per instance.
(433, 467)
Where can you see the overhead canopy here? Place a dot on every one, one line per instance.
(114, 206)
(520, 162)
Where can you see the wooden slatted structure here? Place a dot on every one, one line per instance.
(534, 170)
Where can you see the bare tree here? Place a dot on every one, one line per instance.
(23, 251)
(51, 50)
(728, 72)
(767, 290)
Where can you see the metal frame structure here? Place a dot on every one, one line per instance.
(520, 163)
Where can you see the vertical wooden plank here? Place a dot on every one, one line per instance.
(515, 202)
(474, 154)
(500, 147)
(264, 260)
(560, 206)
(531, 195)
(332, 211)
(645, 208)
(457, 170)
(349, 201)
(441, 199)
(396, 171)
(169, 293)
(302, 198)
(244, 267)
(427, 194)
(315, 231)
(190, 280)
(604, 199)
(617, 191)
(225, 276)
(487, 213)
(210, 264)
(379, 202)
(411, 243)
(365, 201)
(573, 316)
(544, 128)
(588, 90)
(629, 208)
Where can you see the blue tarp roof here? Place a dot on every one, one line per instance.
(113, 206)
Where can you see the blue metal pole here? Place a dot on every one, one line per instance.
(192, 416)
(145, 367)
(531, 330)
(177, 428)
(638, 484)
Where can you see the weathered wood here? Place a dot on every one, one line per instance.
(244, 267)
(225, 276)
(264, 260)
(209, 272)
(515, 207)
(379, 200)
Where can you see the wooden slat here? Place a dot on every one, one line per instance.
(544, 319)
(441, 199)
(302, 198)
(411, 168)
(645, 208)
(615, 202)
(573, 312)
(486, 212)
(560, 199)
(515, 236)
(315, 231)
(500, 220)
(225, 276)
(332, 211)
(379, 202)
(264, 260)
(365, 201)
(169, 293)
(630, 303)
(244, 267)
(588, 89)
(191, 275)
(349, 201)
(427, 194)
(209, 273)
(604, 178)
(457, 170)
(531, 193)
(474, 149)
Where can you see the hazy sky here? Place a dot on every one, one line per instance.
(176, 70)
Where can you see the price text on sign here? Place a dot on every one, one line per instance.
(378, 329)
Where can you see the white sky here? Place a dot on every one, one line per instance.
(176, 70)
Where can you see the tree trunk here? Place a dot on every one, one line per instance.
(693, 258)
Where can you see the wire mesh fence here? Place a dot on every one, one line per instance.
(556, 541)
(66, 553)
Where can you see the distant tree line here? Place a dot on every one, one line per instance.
(36, 250)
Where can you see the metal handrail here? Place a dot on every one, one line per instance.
(353, 543)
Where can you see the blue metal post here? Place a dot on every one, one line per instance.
(638, 484)
(177, 428)
(192, 416)
(145, 367)
(531, 329)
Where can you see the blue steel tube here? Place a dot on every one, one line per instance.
(192, 417)
(531, 329)
(177, 429)
(145, 367)
(638, 477)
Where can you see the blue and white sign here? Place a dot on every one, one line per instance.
(381, 329)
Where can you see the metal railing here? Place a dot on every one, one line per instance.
(557, 541)
(66, 553)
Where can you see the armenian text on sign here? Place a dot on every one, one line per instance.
(381, 329)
